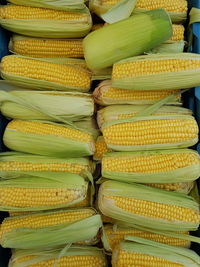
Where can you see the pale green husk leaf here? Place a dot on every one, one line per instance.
(120, 11)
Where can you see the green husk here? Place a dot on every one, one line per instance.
(176, 255)
(37, 105)
(134, 39)
(76, 62)
(52, 236)
(106, 85)
(89, 125)
(49, 28)
(47, 145)
(30, 83)
(164, 81)
(171, 47)
(44, 255)
(137, 191)
(68, 5)
(188, 173)
(112, 113)
(60, 180)
(8, 158)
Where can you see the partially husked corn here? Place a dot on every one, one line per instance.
(145, 206)
(115, 236)
(17, 164)
(42, 193)
(45, 21)
(153, 132)
(141, 252)
(46, 48)
(50, 229)
(25, 12)
(40, 74)
(83, 256)
(161, 167)
(105, 95)
(35, 137)
(176, 9)
(157, 72)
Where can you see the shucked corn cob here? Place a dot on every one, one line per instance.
(143, 253)
(133, 40)
(50, 229)
(42, 193)
(105, 94)
(15, 164)
(44, 105)
(119, 112)
(176, 9)
(157, 72)
(75, 256)
(115, 236)
(151, 132)
(40, 74)
(139, 205)
(47, 48)
(45, 22)
(48, 139)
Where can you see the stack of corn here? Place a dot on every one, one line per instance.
(148, 169)
(46, 179)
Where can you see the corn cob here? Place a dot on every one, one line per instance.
(177, 187)
(132, 37)
(151, 132)
(50, 229)
(177, 10)
(115, 236)
(178, 33)
(162, 167)
(157, 72)
(48, 139)
(143, 253)
(75, 62)
(40, 74)
(45, 105)
(120, 112)
(105, 94)
(15, 164)
(100, 148)
(46, 48)
(75, 256)
(42, 193)
(45, 22)
(66, 5)
(86, 202)
(139, 205)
